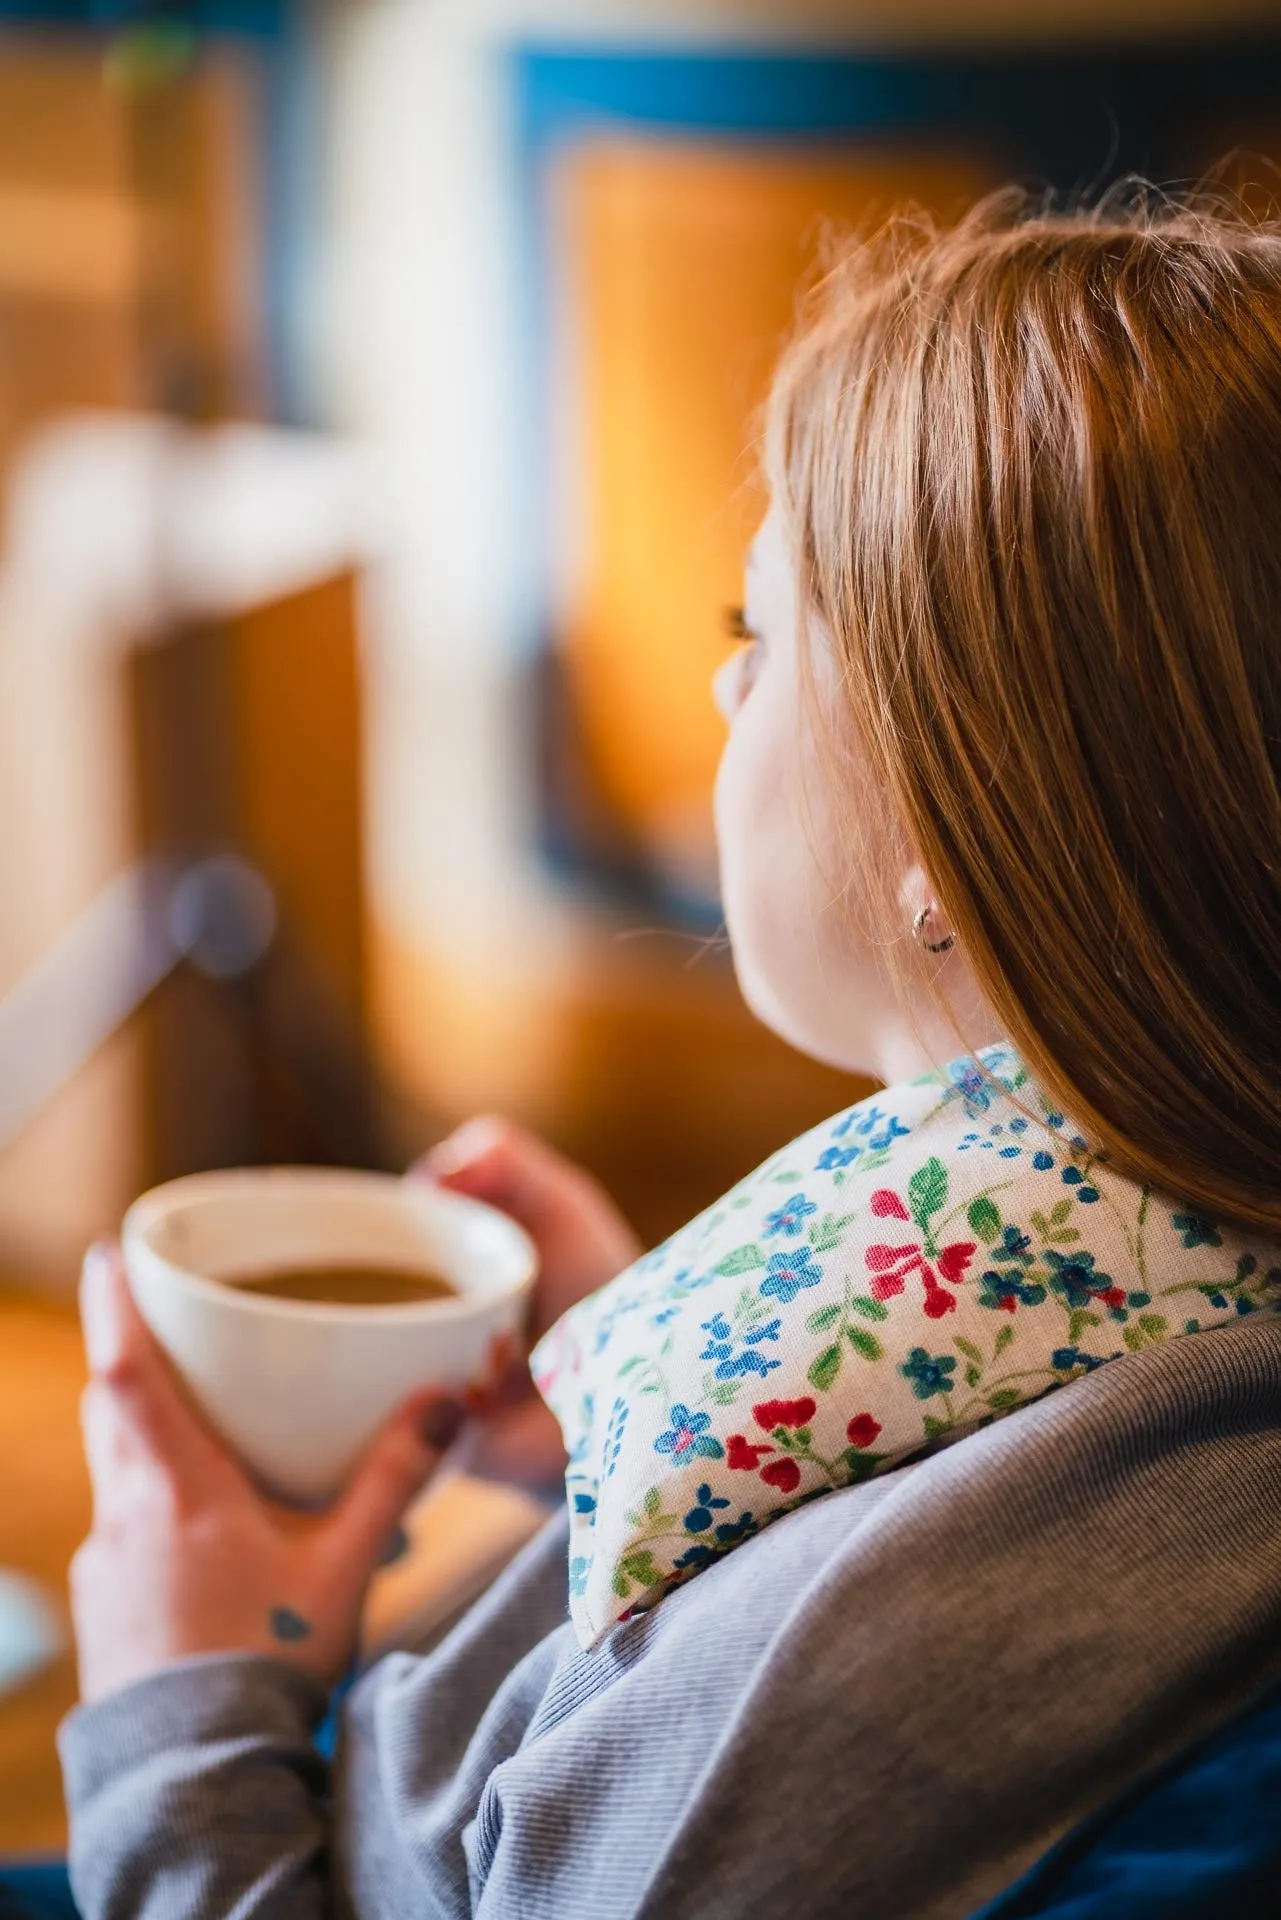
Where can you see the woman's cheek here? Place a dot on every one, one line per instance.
(748, 800)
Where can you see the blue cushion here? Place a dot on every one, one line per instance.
(37, 1890)
(1198, 1840)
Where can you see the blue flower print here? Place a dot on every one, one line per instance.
(1075, 1277)
(879, 1129)
(790, 1218)
(661, 1318)
(1196, 1230)
(1013, 1245)
(614, 1432)
(684, 1281)
(720, 1347)
(844, 1124)
(833, 1157)
(579, 1568)
(688, 1436)
(787, 1273)
(721, 1338)
(1064, 1359)
(695, 1558)
(1073, 1177)
(1001, 1061)
(730, 1532)
(970, 1085)
(928, 1375)
(1042, 1161)
(1005, 1289)
(701, 1514)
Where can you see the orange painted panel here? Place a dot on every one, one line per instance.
(676, 269)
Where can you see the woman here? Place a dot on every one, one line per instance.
(1001, 779)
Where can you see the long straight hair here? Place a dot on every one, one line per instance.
(1030, 468)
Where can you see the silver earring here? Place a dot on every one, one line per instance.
(918, 932)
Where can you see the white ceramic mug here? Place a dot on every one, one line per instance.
(299, 1389)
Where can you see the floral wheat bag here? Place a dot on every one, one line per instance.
(921, 1265)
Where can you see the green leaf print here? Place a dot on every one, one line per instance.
(971, 1352)
(1133, 1337)
(651, 1502)
(985, 1220)
(1154, 1325)
(827, 1234)
(1078, 1320)
(972, 1376)
(741, 1260)
(825, 1369)
(865, 1343)
(927, 1191)
(824, 1318)
(1003, 1340)
(935, 1428)
(1003, 1397)
(636, 1569)
(861, 1465)
(869, 1308)
(1059, 1212)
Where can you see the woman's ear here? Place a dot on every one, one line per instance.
(914, 891)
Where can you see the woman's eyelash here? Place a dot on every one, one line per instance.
(736, 625)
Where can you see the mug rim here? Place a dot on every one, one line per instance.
(157, 1202)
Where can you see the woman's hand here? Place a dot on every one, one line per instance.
(185, 1556)
(582, 1240)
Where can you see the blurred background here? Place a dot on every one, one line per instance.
(377, 392)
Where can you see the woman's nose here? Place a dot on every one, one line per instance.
(726, 683)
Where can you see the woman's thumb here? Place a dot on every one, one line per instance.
(493, 1159)
(397, 1465)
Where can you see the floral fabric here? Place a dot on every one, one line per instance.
(909, 1271)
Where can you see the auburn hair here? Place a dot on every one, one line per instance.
(1030, 471)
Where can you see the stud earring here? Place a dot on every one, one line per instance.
(918, 932)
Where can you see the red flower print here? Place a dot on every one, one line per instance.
(955, 1259)
(783, 1413)
(890, 1266)
(743, 1454)
(1114, 1297)
(783, 1474)
(937, 1300)
(887, 1205)
(862, 1430)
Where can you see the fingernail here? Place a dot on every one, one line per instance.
(442, 1423)
(100, 1325)
(469, 1143)
(396, 1548)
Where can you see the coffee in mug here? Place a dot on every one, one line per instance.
(348, 1286)
(298, 1383)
